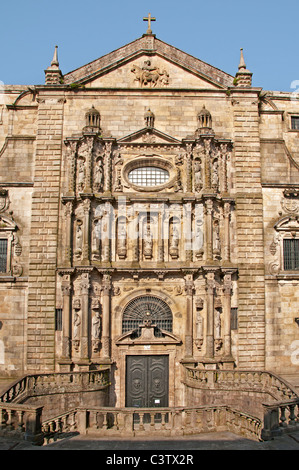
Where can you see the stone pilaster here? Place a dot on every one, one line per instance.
(43, 236)
(249, 223)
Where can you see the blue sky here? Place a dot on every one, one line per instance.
(212, 31)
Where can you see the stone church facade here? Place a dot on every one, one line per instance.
(149, 207)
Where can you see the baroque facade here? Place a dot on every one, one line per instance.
(149, 207)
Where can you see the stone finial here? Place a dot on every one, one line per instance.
(149, 118)
(92, 119)
(205, 121)
(53, 73)
(243, 76)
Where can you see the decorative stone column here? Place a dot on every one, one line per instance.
(66, 288)
(106, 290)
(71, 146)
(189, 289)
(68, 212)
(85, 286)
(210, 288)
(209, 228)
(227, 292)
(86, 210)
(226, 214)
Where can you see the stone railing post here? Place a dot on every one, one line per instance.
(33, 426)
(271, 422)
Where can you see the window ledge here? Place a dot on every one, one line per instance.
(286, 276)
(7, 278)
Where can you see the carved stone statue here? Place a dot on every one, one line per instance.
(96, 331)
(174, 241)
(76, 330)
(98, 176)
(197, 176)
(148, 243)
(79, 239)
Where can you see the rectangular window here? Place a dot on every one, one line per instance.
(291, 254)
(234, 318)
(58, 319)
(295, 122)
(3, 255)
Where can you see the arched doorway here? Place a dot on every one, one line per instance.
(147, 376)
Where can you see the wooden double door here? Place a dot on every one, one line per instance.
(147, 381)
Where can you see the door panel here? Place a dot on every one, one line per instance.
(147, 381)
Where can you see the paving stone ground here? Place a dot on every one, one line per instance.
(213, 441)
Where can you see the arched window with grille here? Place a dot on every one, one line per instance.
(147, 308)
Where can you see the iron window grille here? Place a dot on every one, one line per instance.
(234, 318)
(148, 176)
(291, 254)
(58, 319)
(143, 309)
(295, 122)
(3, 255)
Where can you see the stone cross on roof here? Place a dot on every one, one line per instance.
(149, 18)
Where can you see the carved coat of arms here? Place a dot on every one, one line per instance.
(149, 75)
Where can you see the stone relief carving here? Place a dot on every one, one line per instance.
(149, 75)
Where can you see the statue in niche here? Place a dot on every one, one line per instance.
(98, 176)
(122, 241)
(96, 331)
(148, 243)
(95, 244)
(216, 239)
(76, 331)
(218, 340)
(215, 178)
(79, 239)
(197, 176)
(198, 239)
(81, 174)
(174, 240)
(199, 331)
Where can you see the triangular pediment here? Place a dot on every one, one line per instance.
(149, 63)
(148, 136)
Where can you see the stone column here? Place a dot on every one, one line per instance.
(85, 286)
(209, 228)
(85, 250)
(189, 288)
(66, 288)
(106, 290)
(210, 287)
(160, 236)
(71, 165)
(227, 291)
(226, 214)
(68, 212)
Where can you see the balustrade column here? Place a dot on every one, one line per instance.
(85, 286)
(66, 288)
(106, 285)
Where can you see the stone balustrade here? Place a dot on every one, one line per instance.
(148, 421)
(237, 380)
(280, 418)
(22, 422)
(53, 383)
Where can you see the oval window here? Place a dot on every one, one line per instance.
(148, 176)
